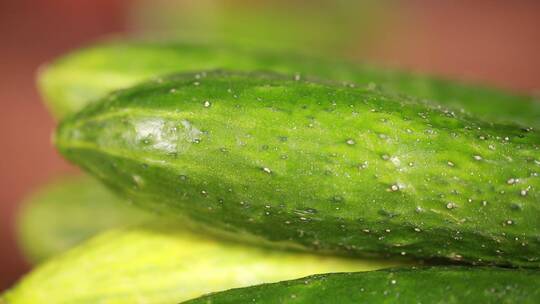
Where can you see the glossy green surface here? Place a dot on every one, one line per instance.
(424, 285)
(87, 74)
(68, 211)
(162, 263)
(334, 168)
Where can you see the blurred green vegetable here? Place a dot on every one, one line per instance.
(88, 74)
(163, 263)
(315, 26)
(66, 212)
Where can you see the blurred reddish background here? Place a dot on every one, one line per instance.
(495, 42)
(33, 32)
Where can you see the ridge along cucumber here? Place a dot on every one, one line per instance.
(88, 74)
(68, 211)
(322, 166)
(163, 263)
(422, 285)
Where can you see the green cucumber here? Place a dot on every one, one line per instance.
(162, 263)
(88, 74)
(424, 285)
(68, 211)
(334, 168)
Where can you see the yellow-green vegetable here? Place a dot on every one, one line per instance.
(66, 212)
(162, 263)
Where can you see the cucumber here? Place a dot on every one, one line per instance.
(88, 74)
(68, 211)
(333, 168)
(423, 285)
(164, 263)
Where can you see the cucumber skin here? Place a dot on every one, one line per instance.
(88, 74)
(283, 160)
(163, 263)
(66, 212)
(422, 285)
